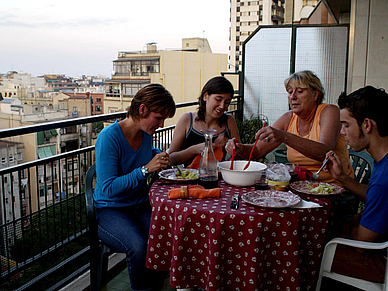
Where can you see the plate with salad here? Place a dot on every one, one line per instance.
(316, 188)
(173, 174)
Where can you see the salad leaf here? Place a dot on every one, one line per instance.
(321, 188)
(187, 174)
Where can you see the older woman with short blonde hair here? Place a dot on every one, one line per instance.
(310, 129)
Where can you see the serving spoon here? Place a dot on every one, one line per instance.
(233, 154)
(250, 155)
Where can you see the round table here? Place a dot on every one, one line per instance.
(205, 243)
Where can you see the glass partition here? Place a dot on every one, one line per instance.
(272, 52)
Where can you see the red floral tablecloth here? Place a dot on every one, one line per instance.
(205, 243)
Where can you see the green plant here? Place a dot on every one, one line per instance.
(97, 126)
(249, 127)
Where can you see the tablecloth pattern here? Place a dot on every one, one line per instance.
(205, 243)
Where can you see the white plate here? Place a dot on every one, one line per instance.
(271, 199)
(302, 187)
(170, 174)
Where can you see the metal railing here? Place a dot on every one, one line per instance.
(44, 239)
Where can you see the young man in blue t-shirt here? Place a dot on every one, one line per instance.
(365, 126)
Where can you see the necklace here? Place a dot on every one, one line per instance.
(298, 127)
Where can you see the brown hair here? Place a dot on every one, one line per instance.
(216, 85)
(367, 102)
(156, 98)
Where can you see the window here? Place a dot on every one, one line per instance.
(132, 89)
(70, 166)
(97, 108)
(98, 99)
(3, 160)
(137, 67)
(10, 159)
(75, 109)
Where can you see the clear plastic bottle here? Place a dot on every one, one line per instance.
(208, 172)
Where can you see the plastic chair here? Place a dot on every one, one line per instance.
(327, 260)
(362, 164)
(99, 252)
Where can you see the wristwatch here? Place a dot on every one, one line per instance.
(144, 172)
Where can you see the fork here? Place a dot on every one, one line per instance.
(316, 174)
(179, 170)
(175, 167)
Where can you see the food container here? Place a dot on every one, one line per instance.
(238, 176)
(278, 185)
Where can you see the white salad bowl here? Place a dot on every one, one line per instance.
(238, 176)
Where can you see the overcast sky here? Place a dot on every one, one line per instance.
(83, 37)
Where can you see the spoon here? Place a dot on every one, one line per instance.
(316, 174)
(250, 155)
(233, 154)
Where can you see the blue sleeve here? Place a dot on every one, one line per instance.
(375, 216)
(155, 151)
(118, 171)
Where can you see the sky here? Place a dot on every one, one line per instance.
(83, 37)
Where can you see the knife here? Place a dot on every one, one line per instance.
(234, 202)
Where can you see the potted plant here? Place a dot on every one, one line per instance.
(249, 127)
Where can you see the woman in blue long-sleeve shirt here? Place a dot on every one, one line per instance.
(124, 159)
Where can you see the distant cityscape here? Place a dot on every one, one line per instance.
(28, 100)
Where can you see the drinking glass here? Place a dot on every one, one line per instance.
(261, 182)
(293, 169)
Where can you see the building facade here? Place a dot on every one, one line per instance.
(246, 16)
(183, 72)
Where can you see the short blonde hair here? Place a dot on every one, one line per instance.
(307, 79)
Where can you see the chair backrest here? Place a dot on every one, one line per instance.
(89, 187)
(362, 164)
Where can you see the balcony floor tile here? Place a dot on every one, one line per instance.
(121, 283)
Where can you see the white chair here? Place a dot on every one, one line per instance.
(327, 260)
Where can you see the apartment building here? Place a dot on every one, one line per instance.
(247, 15)
(182, 71)
(20, 85)
(13, 205)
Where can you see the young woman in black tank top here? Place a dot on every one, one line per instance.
(188, 141)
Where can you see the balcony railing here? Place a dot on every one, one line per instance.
(43, 225)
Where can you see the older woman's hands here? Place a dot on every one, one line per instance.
(271, 134)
